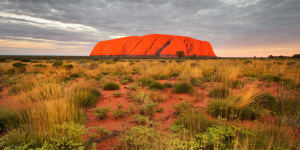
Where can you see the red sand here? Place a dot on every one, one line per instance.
(154, 44)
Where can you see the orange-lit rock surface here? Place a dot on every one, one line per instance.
(154, 44)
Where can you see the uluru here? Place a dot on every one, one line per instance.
(153, 45)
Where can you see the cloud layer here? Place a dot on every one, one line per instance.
(73, 27)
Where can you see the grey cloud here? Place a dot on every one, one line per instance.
(223, 23)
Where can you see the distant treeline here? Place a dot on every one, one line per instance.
(25, 57)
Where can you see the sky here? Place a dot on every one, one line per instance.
(235, 28)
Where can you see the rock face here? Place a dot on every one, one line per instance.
(153, 45)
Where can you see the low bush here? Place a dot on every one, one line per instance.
(111, 86)
(234, 84)
(57, 63)
(101, 112)
(126, 79)
(182, 107)
(141, 97)
(138, 137)
(167, 85)
(156, 86)
(194, 121)
(197, 81)
(148, 109)
(68, 66)
(40, 66)
(145, 81)
(219, 92)
(19, 65)
(119, 113)
(8, 119)
(270, 78)
(183, 88)
(142, 120)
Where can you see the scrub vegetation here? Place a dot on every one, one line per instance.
(149, 104)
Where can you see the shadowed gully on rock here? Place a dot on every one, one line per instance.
(153, 45)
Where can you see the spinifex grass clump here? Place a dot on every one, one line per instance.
(111, 86)
(156, 86)
(126, 79)
(183, 88)
(145, 81)
(229, 109)
(19, 65)
(182, 107)
(219, 92)
(193, 120)
(8, 119)
(85, 97)
(57, 63)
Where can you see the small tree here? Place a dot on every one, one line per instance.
(296, 56)
(180, 54)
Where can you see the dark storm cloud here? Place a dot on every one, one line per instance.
(223, 22)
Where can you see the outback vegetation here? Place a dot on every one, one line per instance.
(149, 104)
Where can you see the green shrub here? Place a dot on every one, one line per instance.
(8, 119)
(159, 110)
(25, 60)
(98, 134)
(197, 81)
(119, 113)
(218, 137)
(19, 65)
(40, 66)
(138, 137)
(140, 96)
(126, 79)
(141, 120)
(291, 63)
(194, 121)
(57, 63)
(270, 78)
(156, 86)
(182, 107)
(74, 75)
(69, 139)
(69, 66)
(145, 81)
(101, 113)
(167, 85)
(219, 92)
(226, 108)
(111, 86)
(183, 88)
(148, 109)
